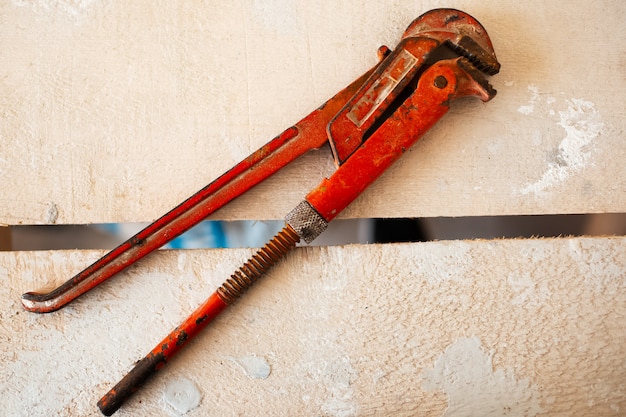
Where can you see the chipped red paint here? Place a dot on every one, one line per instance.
(161, 354)
(348, 128)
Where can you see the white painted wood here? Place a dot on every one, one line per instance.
(116, 111)
(489, 328)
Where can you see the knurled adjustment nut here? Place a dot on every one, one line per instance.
(306, 221)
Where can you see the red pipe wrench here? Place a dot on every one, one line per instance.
(443, 54)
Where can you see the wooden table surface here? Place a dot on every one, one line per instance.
(116, 111)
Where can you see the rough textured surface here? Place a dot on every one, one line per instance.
(504, 327)
(116, 111)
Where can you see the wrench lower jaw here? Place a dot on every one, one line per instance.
(482, 59)
(472, 82)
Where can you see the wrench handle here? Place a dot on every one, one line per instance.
(309, 133)
(225, 295)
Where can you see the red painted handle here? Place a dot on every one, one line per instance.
(439, 84)
(161, 354)
(228, 293)
(307, 134)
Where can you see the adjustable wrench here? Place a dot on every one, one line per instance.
(443, 54)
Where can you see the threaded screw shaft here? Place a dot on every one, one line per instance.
(258, 264)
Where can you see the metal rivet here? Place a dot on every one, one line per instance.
(440, 81)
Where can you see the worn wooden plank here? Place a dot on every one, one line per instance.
(116, 111)
(490, 328)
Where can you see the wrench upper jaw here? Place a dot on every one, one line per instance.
(461, 33)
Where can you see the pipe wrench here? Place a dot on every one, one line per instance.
(444, 54)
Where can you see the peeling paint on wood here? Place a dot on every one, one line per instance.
(582, 125)
(464, 372)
